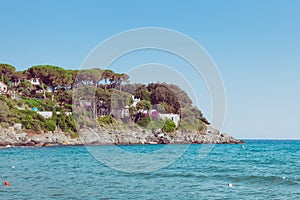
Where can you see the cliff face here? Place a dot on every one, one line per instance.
(210, 136)
(108, 137)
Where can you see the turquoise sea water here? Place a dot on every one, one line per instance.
(263, 170)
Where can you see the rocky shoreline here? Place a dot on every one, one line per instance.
(106, 136)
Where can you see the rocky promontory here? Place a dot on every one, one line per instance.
(106, 136)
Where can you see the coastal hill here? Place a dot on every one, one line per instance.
(48, 105)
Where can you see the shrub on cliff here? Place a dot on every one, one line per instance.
(156, 125)
(42, 105)
(4, 111)
(144, 121)
(50, 125)
(65, 123)
(105, 120)
(169, 126)
(33, 124)
(30, 115)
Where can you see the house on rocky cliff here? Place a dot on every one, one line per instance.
(3, 88)
(174, 117)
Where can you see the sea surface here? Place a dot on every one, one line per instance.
(263, 169)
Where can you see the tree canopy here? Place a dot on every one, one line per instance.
(6, 72)
(51, 76)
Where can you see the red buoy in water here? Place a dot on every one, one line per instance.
(6, 183)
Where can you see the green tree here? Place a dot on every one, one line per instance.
(51, 76)
(89, 76)
(6, 72)
(50, 125)
(104, 100)
(106, 120)
(73, 75)
(162, 94)
(63, 96)
(4, 111)
(144, 121)
(132, 112)
(169, 126)
(107, 75)
(16, 77)
(144, 105)
(119, 99)
(142, 93)
(24, 88)
(121, 79)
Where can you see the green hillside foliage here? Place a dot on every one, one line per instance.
(111, 92)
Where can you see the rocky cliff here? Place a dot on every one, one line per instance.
(105, 136)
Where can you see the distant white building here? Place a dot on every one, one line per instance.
(135, 101)
(49, 114)
(46, 114)
(174, 117)
(3, 88)
(35, 81)
(125, 112)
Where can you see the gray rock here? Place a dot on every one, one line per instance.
(106, 136)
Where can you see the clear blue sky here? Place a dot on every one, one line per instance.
(255, 44)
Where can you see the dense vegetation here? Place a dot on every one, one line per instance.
(11, 113)
(112, 93)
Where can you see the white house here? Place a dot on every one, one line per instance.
(135, 101)
(34, 81)
(3, 88)
(49, 114)
(46, 114)
(125, 112)
(174, 117)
